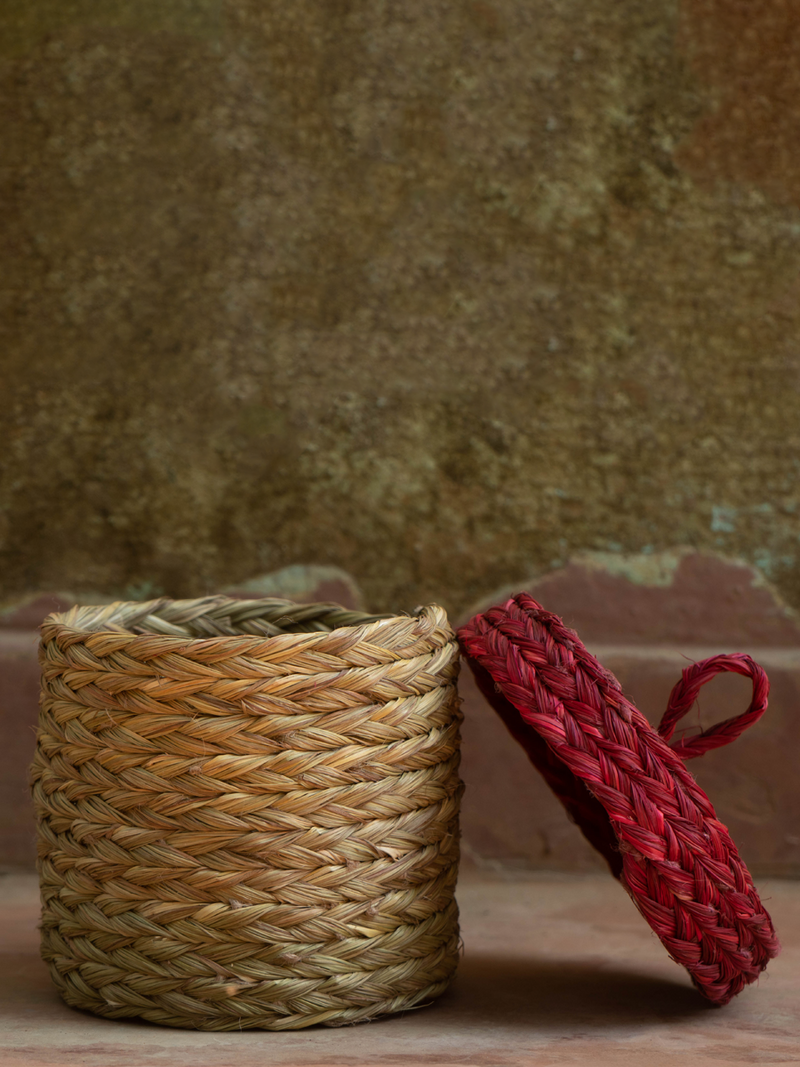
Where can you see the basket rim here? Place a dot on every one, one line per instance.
(76, 625)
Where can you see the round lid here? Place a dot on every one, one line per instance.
(628, 789)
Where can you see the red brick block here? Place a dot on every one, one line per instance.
(646, 633)
(19, 708)
(510, 817)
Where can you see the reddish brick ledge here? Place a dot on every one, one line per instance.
(643, 618)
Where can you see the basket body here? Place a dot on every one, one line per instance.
(240, 827)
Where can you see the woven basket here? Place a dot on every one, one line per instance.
(248, 811)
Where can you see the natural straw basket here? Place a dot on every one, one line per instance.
(248, 811)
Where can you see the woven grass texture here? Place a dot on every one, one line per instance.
(627, 789)
(248, 811)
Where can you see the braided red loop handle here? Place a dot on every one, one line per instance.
(685, 693)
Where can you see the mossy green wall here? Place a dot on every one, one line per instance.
(438, 292)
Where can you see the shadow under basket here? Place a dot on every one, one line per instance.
(248, 811)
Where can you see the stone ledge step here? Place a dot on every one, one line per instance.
(510, 817)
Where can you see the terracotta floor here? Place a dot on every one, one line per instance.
(557, 969)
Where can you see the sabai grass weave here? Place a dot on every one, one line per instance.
(248, 811)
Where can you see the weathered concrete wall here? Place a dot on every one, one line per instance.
(437, 292)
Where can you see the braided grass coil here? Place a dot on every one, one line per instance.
(247, 811)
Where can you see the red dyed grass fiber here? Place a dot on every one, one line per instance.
(627, 789)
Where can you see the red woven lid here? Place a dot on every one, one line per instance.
(627, 789)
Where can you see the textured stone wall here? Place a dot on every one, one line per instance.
(441, 293)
